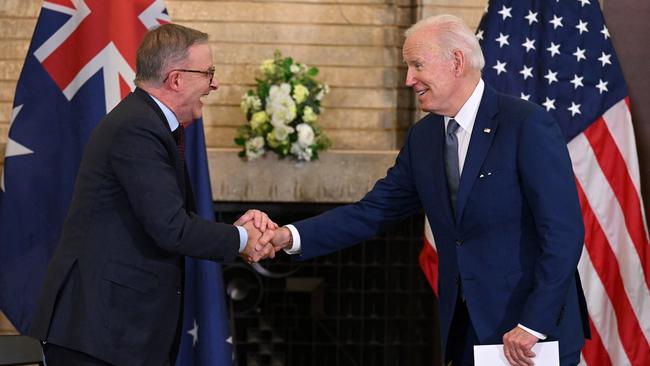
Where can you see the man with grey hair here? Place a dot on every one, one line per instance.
(493, 175)
(113, 290)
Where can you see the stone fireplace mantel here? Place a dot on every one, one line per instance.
(339, 176)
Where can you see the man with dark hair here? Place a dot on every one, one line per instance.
(113, 290)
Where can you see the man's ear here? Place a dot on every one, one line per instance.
(174, 80)
(459, 62)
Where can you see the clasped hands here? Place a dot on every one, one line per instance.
(265, 238)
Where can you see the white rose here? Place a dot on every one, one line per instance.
(281, 108)
(305, 135)
(255, 147)
(294, 68)
(300, 153)
(285, 88)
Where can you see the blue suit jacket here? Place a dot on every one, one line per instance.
(516, 237)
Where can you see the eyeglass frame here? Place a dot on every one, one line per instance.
(209, 72)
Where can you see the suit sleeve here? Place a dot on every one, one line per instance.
(145, 169)
(549, 187)
(392, 199)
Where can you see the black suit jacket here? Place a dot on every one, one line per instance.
(113, 288)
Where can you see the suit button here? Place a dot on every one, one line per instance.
(178, 291)
(459, 242)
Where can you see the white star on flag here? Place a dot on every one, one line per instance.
(13, 148)
(524, 96)
(549, 104)
(551, 77)
(584, 2)
(531, 17)
(602, 86)
(500, 67)
(554, 49)
(479, 34)
(194, 332)
(502, 39)
(556, 21)
(604, 59)
(582, 26)
(577, 81)
(605, 32)
(575, 109)
(579, 54)
(505, 12)
(527, 72)
(529, 44)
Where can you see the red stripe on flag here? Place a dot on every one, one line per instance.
(604, 261)
(594, 351)
(429, 264)
(614, 167)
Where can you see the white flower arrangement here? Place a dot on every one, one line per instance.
(281, 113)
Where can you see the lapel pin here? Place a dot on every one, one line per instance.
(487, 130)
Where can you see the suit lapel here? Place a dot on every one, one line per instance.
(485, 127)
(181, 175)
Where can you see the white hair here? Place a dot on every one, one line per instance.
(451, 33)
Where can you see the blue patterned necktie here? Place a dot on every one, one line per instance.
(451, 160)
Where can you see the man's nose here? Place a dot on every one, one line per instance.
(214, 84)
(410, 81)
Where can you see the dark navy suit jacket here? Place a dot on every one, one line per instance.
(516, 237)
(114, 286)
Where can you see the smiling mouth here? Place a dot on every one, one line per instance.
(421, 92)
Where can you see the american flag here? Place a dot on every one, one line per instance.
(80, 64)
(559, 55)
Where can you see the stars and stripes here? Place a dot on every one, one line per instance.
(586, 93)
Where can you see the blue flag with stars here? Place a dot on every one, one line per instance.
(206, 333)
(558, 54)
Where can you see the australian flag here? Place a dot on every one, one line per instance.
(79, 65)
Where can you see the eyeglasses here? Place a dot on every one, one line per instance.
(209, 73)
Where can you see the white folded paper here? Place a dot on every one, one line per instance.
(546, 354)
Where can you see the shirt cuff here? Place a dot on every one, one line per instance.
(296, 247)
(243, 238)
(536, 334)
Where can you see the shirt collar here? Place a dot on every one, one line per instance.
(171, 117)
(467, 113)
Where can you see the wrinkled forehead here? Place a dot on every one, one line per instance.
(419, 45)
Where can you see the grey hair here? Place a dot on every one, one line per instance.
(452, 34)
(163, 47)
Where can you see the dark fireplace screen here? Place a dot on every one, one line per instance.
(367, 305)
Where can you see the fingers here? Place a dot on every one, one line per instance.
(244, 218)
(517, 347)
(266, 237)
(261, 220)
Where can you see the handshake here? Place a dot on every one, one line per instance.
(265, 238)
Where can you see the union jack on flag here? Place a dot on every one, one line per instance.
(559, 55)
(80, 64)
